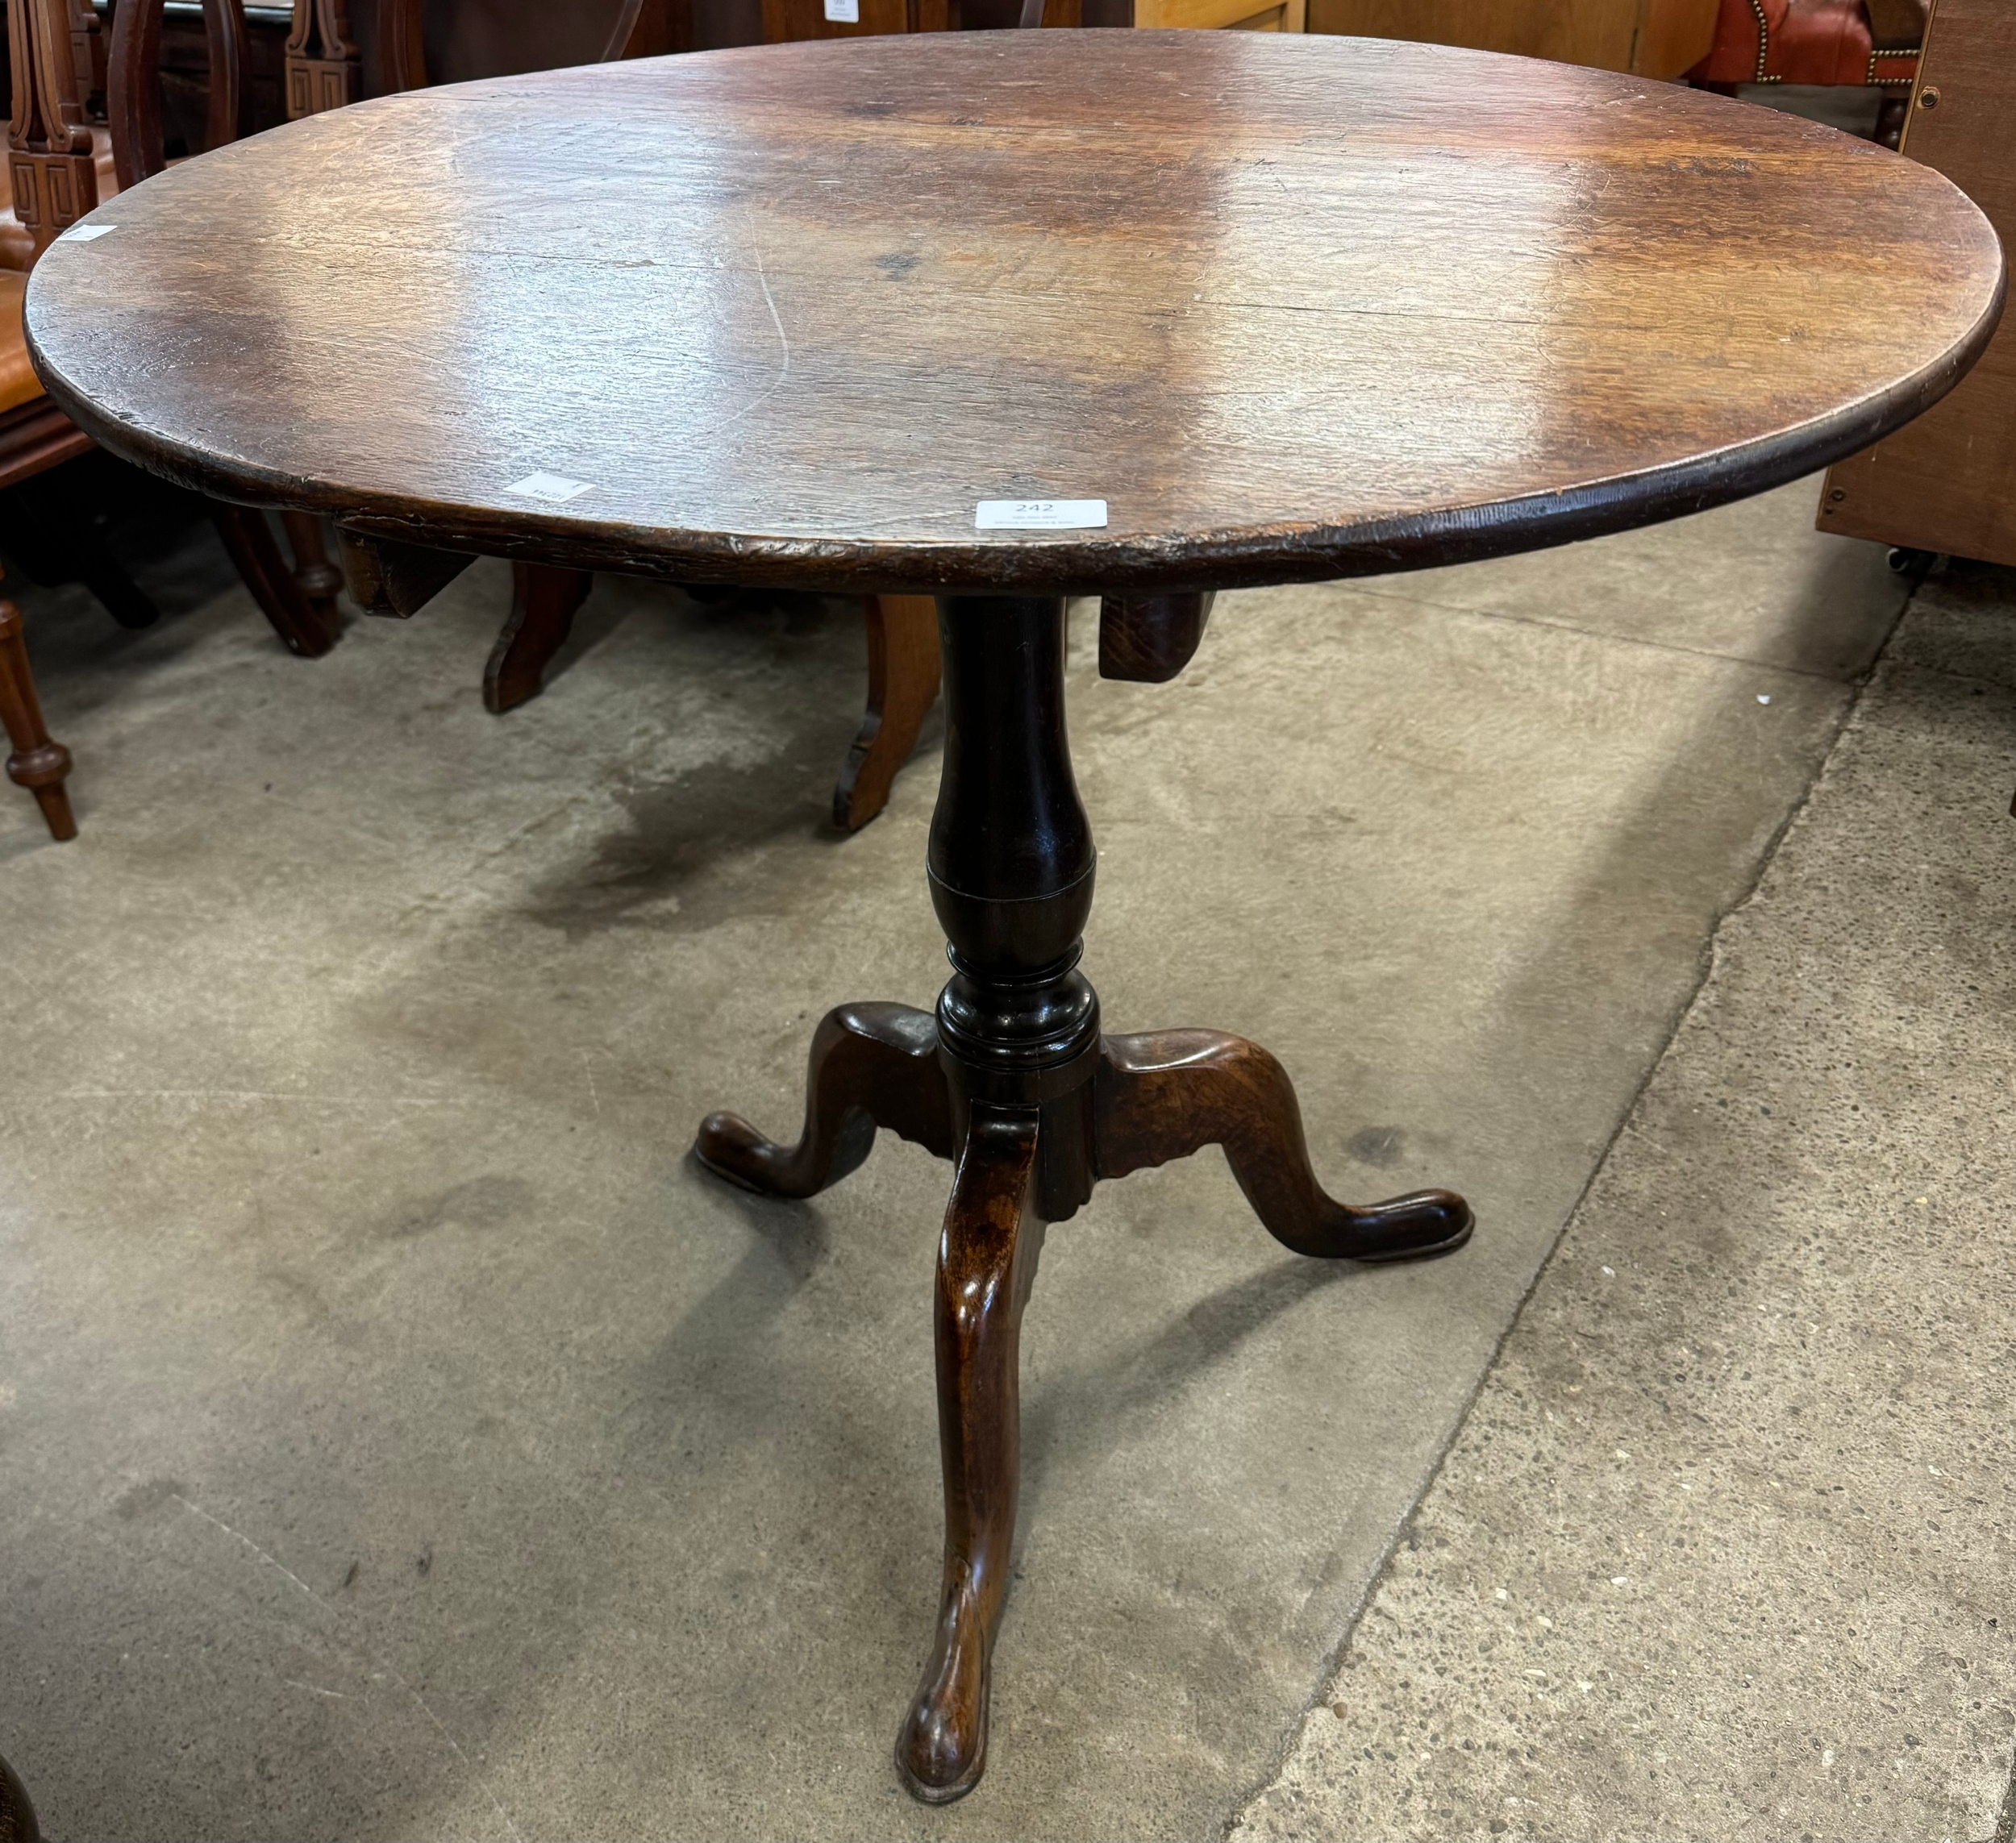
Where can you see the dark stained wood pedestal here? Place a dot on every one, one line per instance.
(1013, 1080)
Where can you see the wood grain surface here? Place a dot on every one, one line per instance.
(1294, 307)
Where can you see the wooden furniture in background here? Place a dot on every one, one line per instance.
(1283, 16)
(404, 43)
(36, 762)
(943, 356)
(58, 162)
(323, 69)
(339, 52)
(1652, 38)
(1835, 44)
(784, 21)
(1947, 483)
(300, 599)
(788, 21)
(58, 159)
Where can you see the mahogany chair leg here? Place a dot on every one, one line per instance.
(544, 599)
(1169, 1093)
(986, 1262)
(315, 570)
(871, 1065)
(250, 540)
(37, 764)
(902, 685)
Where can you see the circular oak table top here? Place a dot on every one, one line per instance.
(1292, 306)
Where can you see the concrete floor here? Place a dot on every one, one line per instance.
(1722, 1548)
(401, 1437)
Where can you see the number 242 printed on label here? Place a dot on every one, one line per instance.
(1040, 515)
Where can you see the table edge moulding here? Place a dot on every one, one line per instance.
(1318, 539)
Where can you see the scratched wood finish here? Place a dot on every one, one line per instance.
(1294, 307)
(1948, 483)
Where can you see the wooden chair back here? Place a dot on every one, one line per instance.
(455, 41)
(338, 52)
(133, 84)
(56, 57)
(787, 20)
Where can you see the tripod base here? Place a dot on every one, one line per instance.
(1135, 1102)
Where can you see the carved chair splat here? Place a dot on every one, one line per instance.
(321, 65)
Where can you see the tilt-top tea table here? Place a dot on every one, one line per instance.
(1008, 317)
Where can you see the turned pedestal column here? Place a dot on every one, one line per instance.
(1012, 1080)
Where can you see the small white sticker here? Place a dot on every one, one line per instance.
(84, 233)
(555, 489)
(843, 12)
(1040, 515)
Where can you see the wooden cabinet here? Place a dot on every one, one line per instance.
(1655, 38)
(1948, 482)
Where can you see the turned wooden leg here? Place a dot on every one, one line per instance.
(902, 685)
(37, 764)
(315, 572)
(1165, 1095)
(987, 1260)
(250, 540)
(872, 1065)
(545, 601)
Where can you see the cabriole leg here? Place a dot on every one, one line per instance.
(872, 1065)
(1168, 1094)
(544, 601)
(987, 1260)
